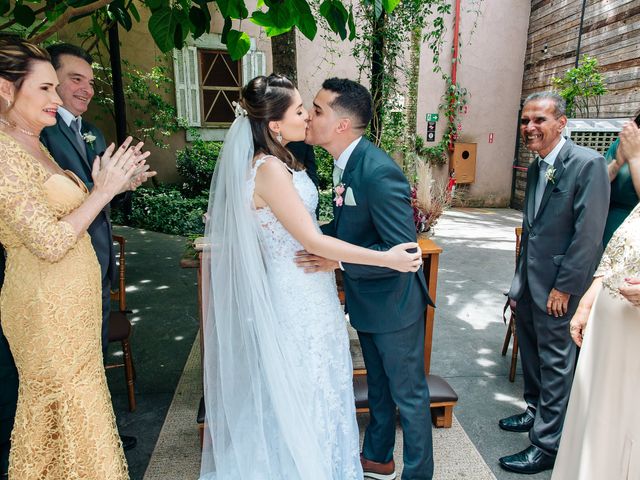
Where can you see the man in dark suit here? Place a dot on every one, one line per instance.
(8, 390)
(385, 307)
(566, 203)
(74, 143)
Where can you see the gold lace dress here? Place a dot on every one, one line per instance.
(51, 315)
(601, 435)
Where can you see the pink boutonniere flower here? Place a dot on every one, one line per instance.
(339, 190)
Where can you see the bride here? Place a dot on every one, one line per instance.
(277, 367)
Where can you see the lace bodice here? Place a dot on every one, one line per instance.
(277, 241)
(621, 258)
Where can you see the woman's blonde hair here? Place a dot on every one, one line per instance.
(17, 57)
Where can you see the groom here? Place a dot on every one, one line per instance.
(372, 208)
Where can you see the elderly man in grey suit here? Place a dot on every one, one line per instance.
(565, 210)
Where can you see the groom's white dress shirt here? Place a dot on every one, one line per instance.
(342, 160)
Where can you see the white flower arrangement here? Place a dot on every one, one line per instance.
(89, 137)
(550, 175)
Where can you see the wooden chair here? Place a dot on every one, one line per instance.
(511, 328)
(120, 326)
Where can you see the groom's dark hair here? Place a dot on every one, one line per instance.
(352, 99)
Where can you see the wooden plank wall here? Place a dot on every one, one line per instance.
(610, 32)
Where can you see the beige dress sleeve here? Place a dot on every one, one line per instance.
(24, 208)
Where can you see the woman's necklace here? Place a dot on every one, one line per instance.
(6, 122)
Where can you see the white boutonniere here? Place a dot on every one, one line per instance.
(89, 137)
(550, 175)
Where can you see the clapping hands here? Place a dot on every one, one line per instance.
(117, 171)
(629, 148)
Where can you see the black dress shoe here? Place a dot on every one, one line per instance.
(128, 442)
(530, 460)
(521, 422)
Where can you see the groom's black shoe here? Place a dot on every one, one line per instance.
(521, 422)
(530, 460)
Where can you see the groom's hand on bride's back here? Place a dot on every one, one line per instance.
(312, 263)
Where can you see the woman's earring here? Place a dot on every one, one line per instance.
(8, 103)
(279, 138)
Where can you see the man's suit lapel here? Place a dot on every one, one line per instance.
(558, 166)
(354, 160)
(67, 132)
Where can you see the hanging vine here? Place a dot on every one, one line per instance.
(380, 51)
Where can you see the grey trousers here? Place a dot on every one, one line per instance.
(548, 361)
(395, 376)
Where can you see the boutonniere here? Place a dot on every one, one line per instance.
(89, 137)
(339, 191)
(550, 175)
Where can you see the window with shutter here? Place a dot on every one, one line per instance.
(207, 81)
(220, 83)
(185, 67)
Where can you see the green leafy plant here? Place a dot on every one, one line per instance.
(165, 209)
(172, 21)
(195, 164)
(581, 87)
(154, 118)
(324, 166)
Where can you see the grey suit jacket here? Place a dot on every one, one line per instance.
(61, 143)
(561, 246)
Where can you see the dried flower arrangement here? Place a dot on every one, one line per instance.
(429, 198)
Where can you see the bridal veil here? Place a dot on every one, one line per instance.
(256, 427)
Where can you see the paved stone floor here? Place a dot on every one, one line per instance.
(475, 269)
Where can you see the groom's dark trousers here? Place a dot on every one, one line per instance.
(386, 308)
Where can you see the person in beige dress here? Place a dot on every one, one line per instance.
(601, 436)
(50, 303)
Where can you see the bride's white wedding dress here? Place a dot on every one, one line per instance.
(313, 330)
(297, 421)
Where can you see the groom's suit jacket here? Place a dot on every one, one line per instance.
(379, 300)
(60, 141)
(562, 244)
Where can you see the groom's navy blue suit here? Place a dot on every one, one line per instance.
(387, 308)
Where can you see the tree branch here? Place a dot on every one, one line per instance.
(67, 16)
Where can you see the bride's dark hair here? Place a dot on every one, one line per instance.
(267, 99)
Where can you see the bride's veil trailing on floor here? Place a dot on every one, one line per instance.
(256, 427)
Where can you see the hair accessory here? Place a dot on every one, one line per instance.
(239, 110)
(279, 138)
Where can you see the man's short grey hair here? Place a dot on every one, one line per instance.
(558, 101)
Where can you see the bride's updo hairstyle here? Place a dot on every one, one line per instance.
(17, 57)
(267, 99)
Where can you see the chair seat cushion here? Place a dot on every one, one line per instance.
(439, 390)
(119, 326)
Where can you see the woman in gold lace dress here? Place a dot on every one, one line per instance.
(601, 436)
(51, 303)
